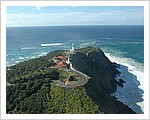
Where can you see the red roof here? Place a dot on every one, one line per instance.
(61, 57)
(61, 63)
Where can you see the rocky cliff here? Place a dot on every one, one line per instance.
(93, 62)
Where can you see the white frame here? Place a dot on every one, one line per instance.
(74, 3)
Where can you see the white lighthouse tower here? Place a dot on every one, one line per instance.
(72, 48)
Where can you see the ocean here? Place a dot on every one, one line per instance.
(123, 44)
(24, 43)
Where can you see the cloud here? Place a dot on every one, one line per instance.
(120, 19)
(123, 18)
(75, 18)
(39, 7)
(111, 12)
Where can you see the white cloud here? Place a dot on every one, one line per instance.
(123, 18)
(68, 18)
(39, 7)
(111, 12)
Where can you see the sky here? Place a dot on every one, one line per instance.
(17, 16)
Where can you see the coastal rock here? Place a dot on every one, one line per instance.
(94, 63)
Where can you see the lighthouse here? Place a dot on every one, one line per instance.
(72, 48)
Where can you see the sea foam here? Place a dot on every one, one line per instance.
(33, 57)
(21, 58)
(132, 93)
(42, 54)
(87, 43)
(17, 61)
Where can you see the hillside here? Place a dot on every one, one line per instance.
(93, 62)
(32, 90)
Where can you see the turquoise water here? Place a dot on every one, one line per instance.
(24, 43)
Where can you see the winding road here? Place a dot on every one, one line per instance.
(83, 79)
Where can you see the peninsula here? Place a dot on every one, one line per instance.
(79, 81)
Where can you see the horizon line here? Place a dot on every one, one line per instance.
(74, 25)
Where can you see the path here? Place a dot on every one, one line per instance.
(83, 79)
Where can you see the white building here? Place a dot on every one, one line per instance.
(68, 60)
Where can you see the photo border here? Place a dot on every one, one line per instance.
(74, 3)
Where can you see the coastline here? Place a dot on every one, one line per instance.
(132, 92)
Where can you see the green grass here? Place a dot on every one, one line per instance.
(65, 75)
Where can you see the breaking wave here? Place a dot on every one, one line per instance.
(87, 44)
(132, 94)
(53, 44)
(28, 48)
(42, 54)
(21, 58)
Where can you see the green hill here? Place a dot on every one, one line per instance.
(31, 89)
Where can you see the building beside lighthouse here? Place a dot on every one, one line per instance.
(63, 61)
(68, 60)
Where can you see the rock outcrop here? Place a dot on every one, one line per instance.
(93, 62)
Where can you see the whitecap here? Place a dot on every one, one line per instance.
(42, 54)
(87, 44)
(107, 38)
(28, 48)
(33, 57)
(17, 61)
(53, 44)
(21, 58)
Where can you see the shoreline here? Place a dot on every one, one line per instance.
(132, 92)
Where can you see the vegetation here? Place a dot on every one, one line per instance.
(71, 101)
(71, 76)
(33, 91)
